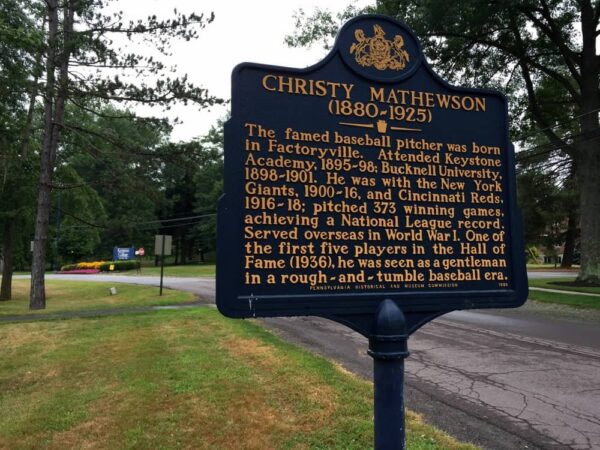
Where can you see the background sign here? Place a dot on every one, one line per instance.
(362, 178)
(158, 244)
(123, 253)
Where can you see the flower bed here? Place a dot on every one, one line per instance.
(80, 271)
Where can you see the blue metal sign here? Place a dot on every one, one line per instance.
(362, 178)
(123, 253)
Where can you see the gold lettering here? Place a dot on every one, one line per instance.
(265, 85)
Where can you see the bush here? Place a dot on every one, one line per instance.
(82, 266)
(119, 265)
(103, 266)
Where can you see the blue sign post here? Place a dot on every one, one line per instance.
(367, 190)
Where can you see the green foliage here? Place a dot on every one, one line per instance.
(122, 164)
(539, 199)
(88, 67)
(119, 265)
(193, 182)
(475, 43)
(78, 207)
(209, 186)
(19, 43)
(533, 254)
(320, 27)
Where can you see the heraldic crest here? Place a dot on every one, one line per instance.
(379, 52)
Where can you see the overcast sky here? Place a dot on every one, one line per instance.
(243, 31)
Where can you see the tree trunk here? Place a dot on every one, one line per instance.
(589, 187)
(53, 119)
(570, 236)
(588, 156)
(177, 242)
(7, 254)
(184, 248)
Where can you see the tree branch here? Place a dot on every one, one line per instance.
(564, 81)
(531, 94)
(570, 57)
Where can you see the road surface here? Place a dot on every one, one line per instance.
(504, 379)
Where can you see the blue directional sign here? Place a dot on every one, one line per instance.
(362, 178)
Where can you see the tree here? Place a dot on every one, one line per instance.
(82, 64)
(517, 46)
(79, 208)
(192, 179)
(209, 187)
(178, 180)
(539, 199)
(19, 54)
(540, 155)
(120, 156)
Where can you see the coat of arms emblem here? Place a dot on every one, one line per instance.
(378, 52)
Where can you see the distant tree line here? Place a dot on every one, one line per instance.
(79, 171)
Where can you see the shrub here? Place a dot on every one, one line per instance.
(82, 266)
(103, 266)
(90, 265)
(119, 265)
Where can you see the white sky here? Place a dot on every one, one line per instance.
(243, 31)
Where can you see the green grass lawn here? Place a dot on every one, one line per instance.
(549, 267)
(197, 270)
(178, 379)
(578, 301)
(80, 296)
(550, 283)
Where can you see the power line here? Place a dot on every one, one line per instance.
(87, 224)
(559, 124)
(531, 154)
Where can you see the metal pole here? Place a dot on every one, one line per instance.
(388, 348)
(162, 263)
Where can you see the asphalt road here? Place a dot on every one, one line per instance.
(503, 379)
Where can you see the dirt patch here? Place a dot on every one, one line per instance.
(320, 399)
(13, 336)
(251, 350)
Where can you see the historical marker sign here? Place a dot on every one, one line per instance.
(362, 178)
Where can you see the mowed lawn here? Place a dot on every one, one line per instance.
(577, 301)
(64, 296)
(191, 270)
(560, 284)
(179, 379)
